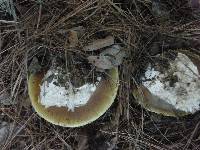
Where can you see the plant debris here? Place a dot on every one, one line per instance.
(100, 43)
(109, 58)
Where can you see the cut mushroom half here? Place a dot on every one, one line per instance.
(99, 101)
(171, 91)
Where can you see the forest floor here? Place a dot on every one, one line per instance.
(145, 28)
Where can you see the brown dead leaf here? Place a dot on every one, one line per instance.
(109, 58)
(116, 52)
(100, 43)
(101, 62)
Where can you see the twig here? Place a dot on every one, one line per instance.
(8, 22)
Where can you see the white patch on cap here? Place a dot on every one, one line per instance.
(55, 95)
(185, 93)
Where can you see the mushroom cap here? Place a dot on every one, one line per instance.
(154, 103)
(99, 102)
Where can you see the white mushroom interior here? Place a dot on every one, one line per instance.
(184, 94)
(52, 93)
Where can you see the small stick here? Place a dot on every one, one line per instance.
(7, 22)
(100, 43)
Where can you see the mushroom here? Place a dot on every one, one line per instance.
(174, 90)
(99, 101)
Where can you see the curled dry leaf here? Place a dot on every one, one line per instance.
(109, 58)
(100, 43)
